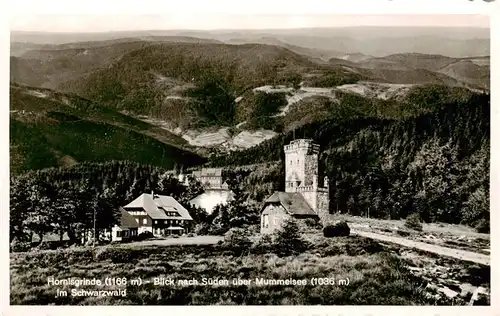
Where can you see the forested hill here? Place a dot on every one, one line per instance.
(436, 163)
(48, 128)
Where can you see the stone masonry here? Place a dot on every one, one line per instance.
(273, 218)
(301, 175)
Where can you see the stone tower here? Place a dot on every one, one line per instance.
(301, 174)
(301, 164)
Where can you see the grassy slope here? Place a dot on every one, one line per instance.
(60, 129)
(374, 276)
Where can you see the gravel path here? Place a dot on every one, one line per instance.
(444, 251)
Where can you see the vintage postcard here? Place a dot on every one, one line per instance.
(250, 159)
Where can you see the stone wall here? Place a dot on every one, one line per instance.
(293, 165)
(276, 216)
(310, 168)
(323, 204)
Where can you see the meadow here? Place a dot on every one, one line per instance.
(371, 275)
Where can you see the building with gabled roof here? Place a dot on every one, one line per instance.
(127, 227)
(158, 214)
(303, 196)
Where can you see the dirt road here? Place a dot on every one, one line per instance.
(444, 251)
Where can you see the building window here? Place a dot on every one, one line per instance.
(144, 221)
(137, 220)
(265, 221)
(275, 221)
(166, 222)
(118, 233)
(156, 222)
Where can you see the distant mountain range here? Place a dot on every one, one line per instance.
(375, 41)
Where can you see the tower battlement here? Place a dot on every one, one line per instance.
(310, 188)
(302, 144)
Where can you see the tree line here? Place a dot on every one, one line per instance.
(72, 200)
(85, 199)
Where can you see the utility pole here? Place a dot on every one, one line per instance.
(94, 209)
(95, 232)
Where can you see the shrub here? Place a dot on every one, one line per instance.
(313, 222)
(348, 246)
(337, 229)
(262, 245)
(19, 246)
(413, 222)
(288, 240)
(237, 239)
(45, 245)
(201, 229)
(483, 226)
(403, 232)
(119, 255)
(145, 235)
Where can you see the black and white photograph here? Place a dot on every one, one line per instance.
(327, 159)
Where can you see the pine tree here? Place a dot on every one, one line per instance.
(288, 240)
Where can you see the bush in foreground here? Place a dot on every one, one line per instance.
(337, 229)
(483, 226)
(262, 245)
(413, 222)
(288, 241)
(19, 246)
(238, 240)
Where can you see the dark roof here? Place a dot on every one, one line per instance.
(294, 203)
(127, 220)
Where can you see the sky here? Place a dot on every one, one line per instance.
(198, 21)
